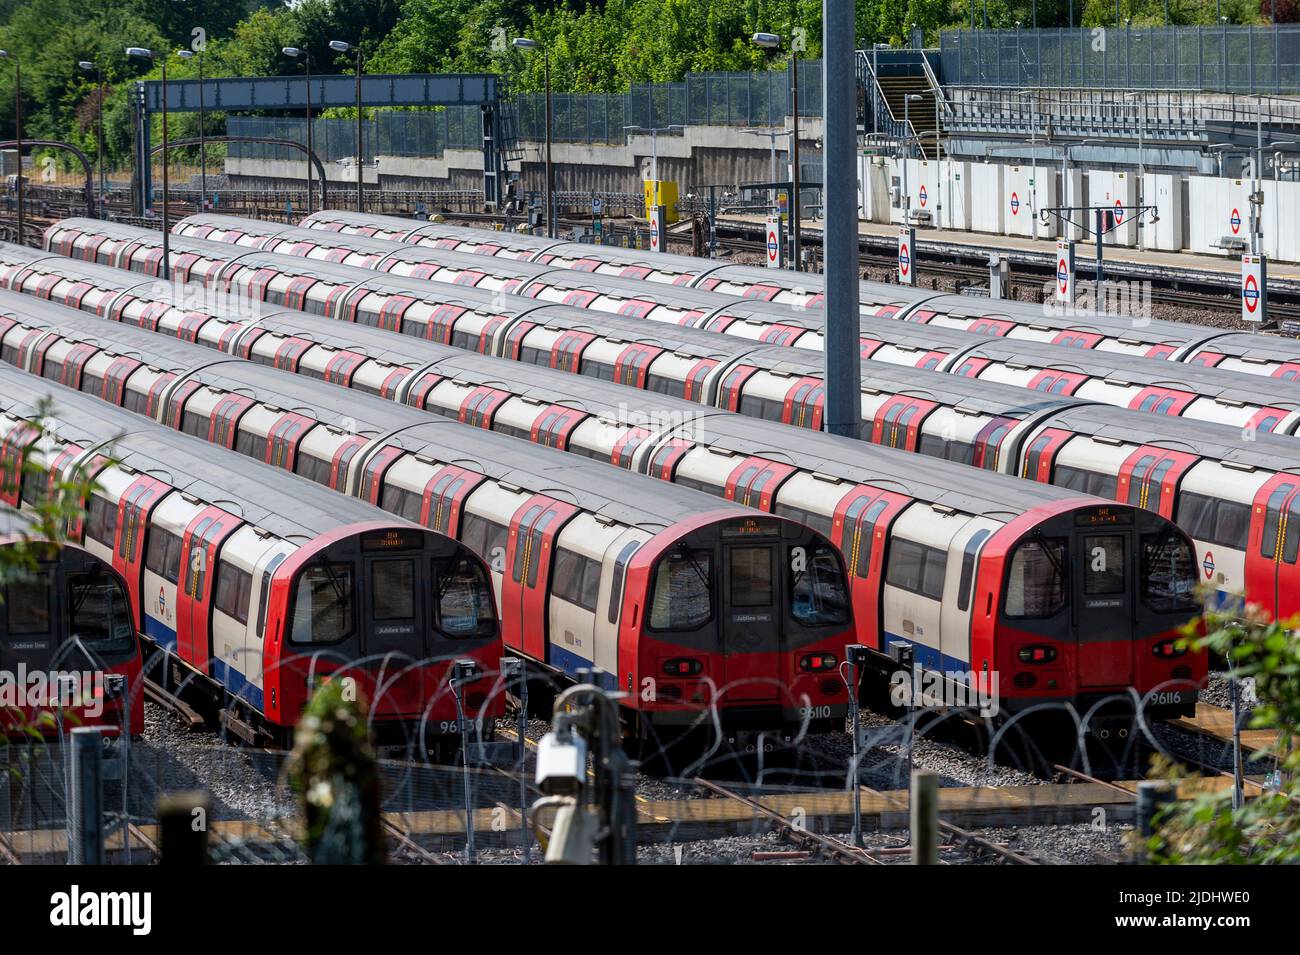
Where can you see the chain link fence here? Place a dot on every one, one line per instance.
(1240, 59)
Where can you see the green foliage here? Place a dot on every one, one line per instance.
(593, 46)
(1205, 829)
(335, 777)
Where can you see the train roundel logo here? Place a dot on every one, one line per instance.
(1119, 212)
(1234, 220)
(904, 260)
(1062, 275)
(1208, 564)
(771, 246)
(923, 196)
(162, 601)
(1250, 292)
(1015, 204)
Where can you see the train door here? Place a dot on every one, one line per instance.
(1103, 614)
(1275, 539)
(199, 546)
(532, 543)
(752, 643)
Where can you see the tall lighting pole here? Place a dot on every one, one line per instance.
(843, 351)
(342, 46)
(18, 134)
(295, 53)
(88, 67)
(203, 149)
(524, 43)
(146, 54)
(772, 41)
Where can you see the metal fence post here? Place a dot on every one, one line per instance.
(925, 818)
(86, 797)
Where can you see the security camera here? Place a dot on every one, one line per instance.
(561, 763)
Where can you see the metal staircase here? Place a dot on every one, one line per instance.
(888, 78)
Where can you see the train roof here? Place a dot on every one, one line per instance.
(258, 493)
(1263, 451)
(594, 485)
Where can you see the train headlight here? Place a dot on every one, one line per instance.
(818, 662)
(1036, 654)
(1168, 649)
(682, 666)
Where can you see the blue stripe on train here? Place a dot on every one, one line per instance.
(236, 684)
(930, 658)
(161, 634)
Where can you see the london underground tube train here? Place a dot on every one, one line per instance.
(69, 652)
(1217, 485)
(940, 558)
(257, 586)
(722, 610)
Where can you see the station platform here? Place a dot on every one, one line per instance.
(1119, 260)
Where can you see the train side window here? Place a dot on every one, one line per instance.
(566, 579)
(916, 567)
(968, 568)
(234, 590)
(265, 592)
(27, 604)
(1168, 574)
(195, 423)
(101, 521)
(620, 571)
(683, 590)
(251, 445)
(662, 385)
(392, 589)
(400, 501)
(163, 555)
(818, 522)
(1086, 482)
(1232, 525)
(1036, 579)
(35, 488)
(322, 610)
(315, 469)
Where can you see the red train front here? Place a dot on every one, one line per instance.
(1085, 603)
(69, 654)
(750, 613)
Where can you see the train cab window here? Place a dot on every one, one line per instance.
(322, 610)
(392, 589)
(751, 576)
(818, 596)
(101, 521)
(234, 591)
(264, 592)
(662, 385)
(464, 606)
(1036, 579)
(1168, 574)
(683, 590)
(1291, 540)
(27, 604)
(163, 556)
(1086, 482)
(916, 567)
(1104, 565)
(99, 614)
